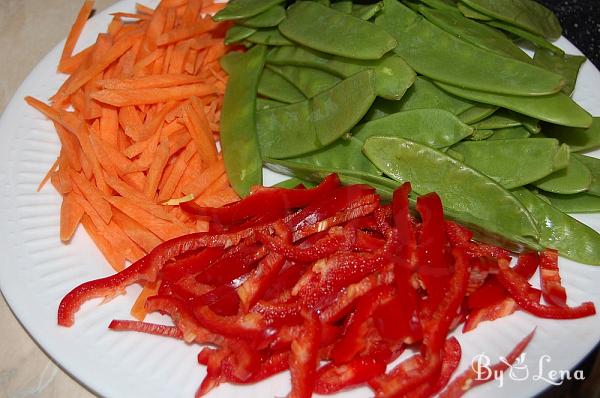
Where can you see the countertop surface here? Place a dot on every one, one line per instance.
(31, 28)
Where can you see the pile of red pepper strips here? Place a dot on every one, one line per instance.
(287, 278)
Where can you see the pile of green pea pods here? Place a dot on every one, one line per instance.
(435, 92)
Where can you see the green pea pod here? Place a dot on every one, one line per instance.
(526, 14)
(593, 164)
(321, 28)
(510, 133)
(392, 75)
(366, 11)
(434, 127)
(293, 182)
(344, 6)
(441, 56)
(229, 60)
(307, 126)
(274, 86)
(240, 9)
(575, 178)
(525, 35)
(462, 189)
(496, 121)
(511, 163)
(555, 108)
(265, 103)
(577, 203)
(442, 5)
(579, 139)
(309, 81)
(475, 33)
(241, 151)
(477, 113)
(565, 65)
(266, 19)
(423, 94)
(238, 33)
(559, 231)
(480, 135)
(472, 13)
(269, 37)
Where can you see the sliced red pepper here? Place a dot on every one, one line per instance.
(552, 290)
(264, 199)
(145, 327)
(250, 326)
(279, 313)
(332, 378)
(527, 264)
(191, 264)
(367, 243)
(480, 270)
(489, 294)
(405, 322)
(223, 300)
(286, 280)
(383, 220)
(304, 357)
(270, 365)
(403, 223)
(470, 378)
(237, 262)
(324, 247)
(492, 312)
(460, 236)
(259, 280)
(520, 290)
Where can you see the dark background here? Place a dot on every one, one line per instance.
(580, 20)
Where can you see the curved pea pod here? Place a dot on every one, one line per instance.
(291, 183)
(477, 113)
(560, 231)
(442, 5)
(576, 203)
(439, 55)
(527, 14)
(366, 11)
(434, 127)
(393, 76)
(510, 133)
(333, 32)
(229, 60)
(309, 81)
(525, 35)
(575, 178)
(556, 108)
(565, 65)
(497, 121)
(480, 135)
(579, 139)
(472, 13)
(266, 103)
(423, 94)
(513, 163)
(593, 165)
(475, 33)
(266, 19)
(344, 6)
(307, 126)
(464, 190)
(241, 151)
(269, 37)
(237, 33)
(240, 9)
(272, 85)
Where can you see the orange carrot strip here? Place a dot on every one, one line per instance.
(138, 310)
(217, 199)
(109, 125)
(115, 156)
(190, 62)
(153, 81)
(69, 65)
(131, 15)
(76, 29)
(70, 216)
(208, 177)
(130, 122)
(47, 176)
(135, 231)
(113, 256)
(179, 140)
(178, 58)
(156, 169)
(191, 12)
(195, 121)
(175, 174)
(147, 60)
(142, 9)
(203, 25)
(78, 100)
(152, 95)
(213, 8)
(93, 195)
(115, 26)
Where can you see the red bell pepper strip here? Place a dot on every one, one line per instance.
(470, 378)
(407, 325)
(490, 293)
(287, 278)
(520, 290)
(277, 314)
(407, 250)
(250, 326)
(366, 242)
(552, 290)
(460, 236)
(223, 300)
(191, 264)
(332, 378)
(480, 270)
(322, 248)
(259, 280)
(527, 264)
(304, 357)
(383, 220)
(145, 327)
(235, 263)
(264, 199)
(492, 312)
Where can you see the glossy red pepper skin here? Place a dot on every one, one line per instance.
(527, 264)
(490, 293)
(145, 327)
(333, 378)
(254, 287)
(304, 357)
(552, 290)
(490, 313)
(192, 264)
(520, 290)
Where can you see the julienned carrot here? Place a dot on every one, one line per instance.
(137, 119)
(138, 310)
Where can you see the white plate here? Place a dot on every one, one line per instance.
(38, 270)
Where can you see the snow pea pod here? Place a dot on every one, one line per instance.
(565, 65)
(579, 139)
(266, 19)
(477, 113)
(526, 14)
(497, 121)
(463, 190)
(556, 108)
(309, 81)
(434, 127)
(392, 75)
(512, 163)
(480, 135)
(366, 11)
(472, 13)
(577, 203)
(333, 32)
(241, 151)
(475, 33)
(269, 37)
(441, 56)
(265, 103)
(307, 126)
(272, 85)
(291, 183)
(442, 5)
(575, 178)
(344, 6)
(423, 94)
(525, 35)
(560, 231)
(593, 164)
(240, 9)
(510, 133)
(238, 33)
